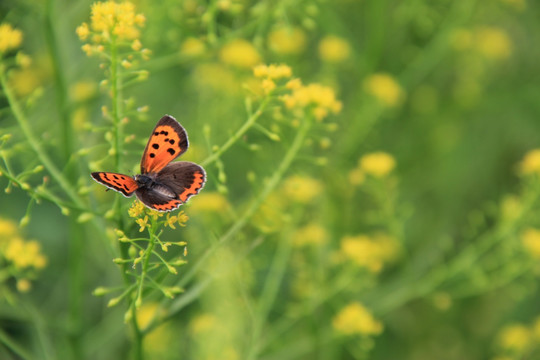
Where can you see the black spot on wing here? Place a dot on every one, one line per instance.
(152, 155)
(171, 151)
(155, 146)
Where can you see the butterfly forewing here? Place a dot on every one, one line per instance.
(118, 182)
(167, 142)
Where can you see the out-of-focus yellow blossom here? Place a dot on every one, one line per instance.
(202, 323)
(287, 40)
(302, 189)
(518, 5)
(25, 81)
(83, 90)
(239, 53)
(530, 239)
(272, 72)
(378, 164)
(8, 229)
(384, 88)
(334, 49)
(210, 202)
(312, 234)
(10, 38)
(192, 47)
(493, 43)
(23, 60)
(321, 98)
(515, 337)
(536, 328)
(370, 252)
(216, 77)
(24, 254)
(23, 285)
(156, 343)
(111, 18)
(530, 163)
(271, 215)
(356, 319)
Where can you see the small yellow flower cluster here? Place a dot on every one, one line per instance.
(530, 163)
(384, 88)
(490, 42)
(239, 53)
(210, 202)
(334, 50)
(377, 164)
(24, 256)
(320, 100)
(302, 189)
(10, 38)
(143, 214)
(355, 319)
(372, 252)
(530, 239)
(517, 340)
(287, 41)
(311, 234)
(112, 22)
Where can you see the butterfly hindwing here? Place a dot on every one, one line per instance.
(184, 178)
(118, 182)
(172, 186)
(167, 142)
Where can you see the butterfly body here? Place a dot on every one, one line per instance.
(162, 185)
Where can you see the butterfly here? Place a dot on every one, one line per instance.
(162, 185)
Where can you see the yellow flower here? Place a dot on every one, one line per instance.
(385, 88)
(530, 239)
(26, 81)
(530, 163)
(8, 230)
(211, 202)
(24, 254)
(321, 98)
(136, 209)
(143, 223)
(216, 77)
(83, 31)
(273, 72)
(10, 38)
(378, 164)
(192, 47)
(23, 285)
(83, 91)
(334, 49)
(369, 252)
(239, 53)
(356, 319)
(515, 337)
(302, 189)
(202, 323)
(287, 41)
(493, 43)
(312, 234)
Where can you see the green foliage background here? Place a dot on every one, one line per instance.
(465, 122)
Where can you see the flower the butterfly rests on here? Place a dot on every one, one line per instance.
(161, 185)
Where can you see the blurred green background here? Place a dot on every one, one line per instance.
(445, 90)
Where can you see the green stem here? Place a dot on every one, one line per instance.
(14, 347)
(35, 144)
(243, 129)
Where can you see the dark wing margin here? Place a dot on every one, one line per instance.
(118, 182)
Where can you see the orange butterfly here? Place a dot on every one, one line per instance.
(162, 185)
